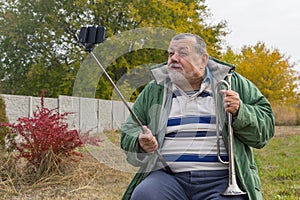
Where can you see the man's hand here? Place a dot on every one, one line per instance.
(147, 141)
(231, 101)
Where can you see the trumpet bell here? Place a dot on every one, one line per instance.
(233, 190)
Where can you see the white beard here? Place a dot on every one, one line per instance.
(179, 79)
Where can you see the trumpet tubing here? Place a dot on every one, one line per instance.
(232, 188)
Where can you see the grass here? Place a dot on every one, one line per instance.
(279, 168)
(279, 165)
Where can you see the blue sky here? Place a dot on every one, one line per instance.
(276, 23)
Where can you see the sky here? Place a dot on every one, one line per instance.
(276, 23)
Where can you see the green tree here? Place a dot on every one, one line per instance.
(180, 16)
(37, 46)
(3, 119)
(270, 70)
(38, 50)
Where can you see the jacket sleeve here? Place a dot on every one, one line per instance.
(254, 124)
(130, 131)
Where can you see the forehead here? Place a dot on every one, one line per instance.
(185, 43)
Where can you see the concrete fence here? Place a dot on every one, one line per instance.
(89, 114)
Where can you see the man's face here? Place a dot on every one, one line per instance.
(184, 65)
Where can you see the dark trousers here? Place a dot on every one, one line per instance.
(198, 185)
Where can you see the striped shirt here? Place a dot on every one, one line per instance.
(190, 141)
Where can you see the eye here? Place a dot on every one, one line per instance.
(171, 53)
(183, 53)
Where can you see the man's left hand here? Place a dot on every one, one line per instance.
(231, 101)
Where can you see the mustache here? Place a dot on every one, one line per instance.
(175, 65)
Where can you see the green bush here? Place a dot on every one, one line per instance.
(3, 119)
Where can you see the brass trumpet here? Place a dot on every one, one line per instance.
(232, 188)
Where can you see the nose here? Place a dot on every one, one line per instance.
(174, 57)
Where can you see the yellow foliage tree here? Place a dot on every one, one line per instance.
(268, 69)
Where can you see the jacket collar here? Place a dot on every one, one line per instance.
(217, 69)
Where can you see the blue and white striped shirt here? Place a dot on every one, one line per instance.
(190, 141)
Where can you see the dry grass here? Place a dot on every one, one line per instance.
(85, 179)
(281, 131)
(286, 115)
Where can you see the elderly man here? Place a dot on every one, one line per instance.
(178, 112)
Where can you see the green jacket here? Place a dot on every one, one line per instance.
(253, 127)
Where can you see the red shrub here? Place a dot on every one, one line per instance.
(46, 132)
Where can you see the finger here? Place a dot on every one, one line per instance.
(232, 94)
(147, 141)
(149, 146)
(232, 97)
(233, 109)
(146, 134)
(227, 104)
(223, 92)
(146, 130)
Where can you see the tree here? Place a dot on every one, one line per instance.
(271, 71)
(38, 50)
(37, 46)
(3, 119)
(183, 16)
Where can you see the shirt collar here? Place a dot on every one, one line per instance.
(208, 77)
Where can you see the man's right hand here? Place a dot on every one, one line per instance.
(147, 141)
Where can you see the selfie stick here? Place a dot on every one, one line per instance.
(89, 36)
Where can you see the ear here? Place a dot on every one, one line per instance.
(204, 59)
